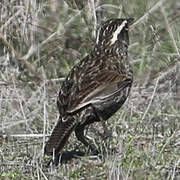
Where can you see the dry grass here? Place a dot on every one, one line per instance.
(39, 43)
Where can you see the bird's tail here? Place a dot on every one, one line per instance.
(60, 135)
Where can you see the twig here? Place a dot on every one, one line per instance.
(33, 49)
(31, 82)
(94, 15)
(10, 20)
(108, 5)
(152, 97)
(41, 171)
(174, 169)
(22, 61)
(156, 6)
(163, 73)
(4, 136)
(170, 30)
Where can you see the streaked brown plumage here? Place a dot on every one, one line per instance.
(95, 88)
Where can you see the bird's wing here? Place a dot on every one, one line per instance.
(105, 84)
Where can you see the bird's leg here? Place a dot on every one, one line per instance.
(79, 131)
(107, 133)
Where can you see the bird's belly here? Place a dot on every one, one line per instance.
(108, 106)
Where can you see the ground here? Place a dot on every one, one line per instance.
(40, 43)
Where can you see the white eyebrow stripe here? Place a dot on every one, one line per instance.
(118, 30)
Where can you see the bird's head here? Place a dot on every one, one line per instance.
(113, 33)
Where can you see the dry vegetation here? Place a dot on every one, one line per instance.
(41, 40)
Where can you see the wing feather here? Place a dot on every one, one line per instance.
(107, 84)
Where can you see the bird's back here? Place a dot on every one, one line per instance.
(96, 87)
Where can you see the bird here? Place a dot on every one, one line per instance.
(95, 88)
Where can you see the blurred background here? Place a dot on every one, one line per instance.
(41, 40)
